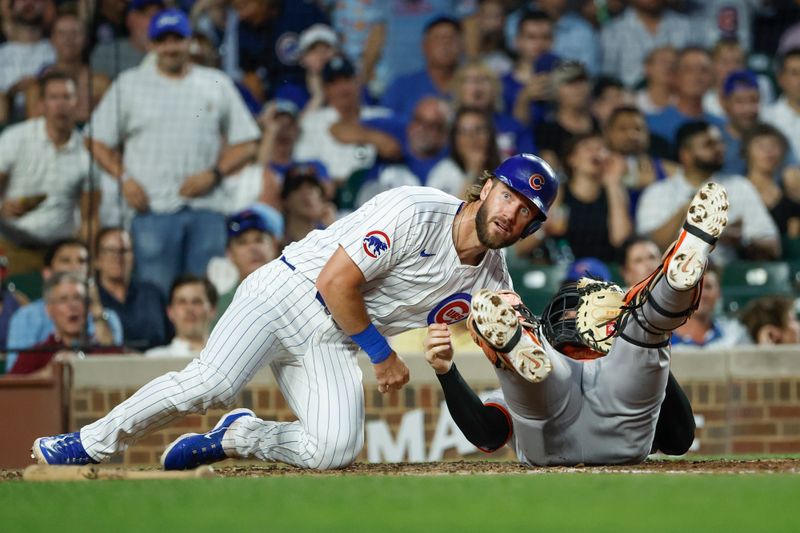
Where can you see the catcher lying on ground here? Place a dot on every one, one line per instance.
(585, 384)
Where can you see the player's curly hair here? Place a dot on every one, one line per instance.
(474, 190)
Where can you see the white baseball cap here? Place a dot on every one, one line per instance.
(318, 33)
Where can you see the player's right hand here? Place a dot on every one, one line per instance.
(392, 374)
(438, 348)
(135, 195)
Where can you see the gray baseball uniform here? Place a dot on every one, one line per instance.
(602, 411)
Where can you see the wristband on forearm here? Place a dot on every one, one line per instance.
(374, 344)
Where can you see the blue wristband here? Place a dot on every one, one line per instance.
(372, 342)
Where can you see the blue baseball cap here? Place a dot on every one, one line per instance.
(169, 21)
(244, 221)
(338, 67)
(139, 5)
(441, 18)
(739, 79)
(588, 267)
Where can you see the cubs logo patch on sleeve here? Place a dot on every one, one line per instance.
(452, 309)
(375, 243)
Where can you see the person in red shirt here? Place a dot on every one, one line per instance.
(65, 300)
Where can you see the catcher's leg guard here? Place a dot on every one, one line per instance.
(672, 301)
(504, 329)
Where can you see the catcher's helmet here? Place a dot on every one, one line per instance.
(559, 324)
(533, 178)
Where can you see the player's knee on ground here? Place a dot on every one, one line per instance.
(330, 455)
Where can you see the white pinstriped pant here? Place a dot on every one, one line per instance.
(274, 319)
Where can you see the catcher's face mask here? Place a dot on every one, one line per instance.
(558, 324)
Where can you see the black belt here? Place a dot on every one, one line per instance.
(318, 296)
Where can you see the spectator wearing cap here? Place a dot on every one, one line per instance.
(174, 118)
(124, 52)
(398, 28)
(45, 169)
(526, 89)
(573, 37)
(692, 80)
(741, 101)
(139, 304)
(23, 55)
(260, 43)
(728, 56)
(346, 136)
(572, 99)
(304, 205)
(192, 308)
(318, 45)
(31, 325)
(477, 86)
(628, 38)
(784, 114)
(750, 234)
(587, 267)
(441, 48)
(65, 297)
(250, 246)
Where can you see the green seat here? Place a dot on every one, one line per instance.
(28, 284)
(791, 248)
(743, 281)
(347, 193)
(536, 284)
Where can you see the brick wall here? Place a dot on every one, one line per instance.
(746, 401)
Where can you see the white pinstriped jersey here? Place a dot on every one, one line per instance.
(402, 240)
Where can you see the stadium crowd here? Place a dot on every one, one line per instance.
(153, 153)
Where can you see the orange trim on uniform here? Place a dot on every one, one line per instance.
(510, 426)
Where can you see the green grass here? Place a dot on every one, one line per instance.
(539, 502)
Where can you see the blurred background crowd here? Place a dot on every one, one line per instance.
(153, 153)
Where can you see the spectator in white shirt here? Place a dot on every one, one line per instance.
(23, 55)
(644, 25)
(45, 169)
(785, 113)
(192, 308)
(346, 136)
(750, 234)
(659, 72)
(173, 119)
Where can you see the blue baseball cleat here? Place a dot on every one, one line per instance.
(65, 449)
(194, 449)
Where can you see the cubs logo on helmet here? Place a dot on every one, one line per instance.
(452, 309)
(534, 179)
(375, 243)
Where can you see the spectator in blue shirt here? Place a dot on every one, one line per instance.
(31, 324)
(526, 89)
(477, 86)
(441, 47)
(139, 304)
(692, 79)
(741, 100)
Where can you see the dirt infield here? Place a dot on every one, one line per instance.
(687, 466)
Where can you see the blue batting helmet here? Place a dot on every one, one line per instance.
(534, 179)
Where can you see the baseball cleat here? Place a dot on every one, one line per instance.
(194, 449)
(496, 327)
(64, 449)
(706, 219)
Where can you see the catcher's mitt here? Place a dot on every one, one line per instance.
(600, 305)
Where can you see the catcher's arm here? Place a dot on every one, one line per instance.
(486, 426)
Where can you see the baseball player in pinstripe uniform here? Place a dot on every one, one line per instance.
(409, 257)
(568, 395)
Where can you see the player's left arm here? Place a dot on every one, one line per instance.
(340, 284)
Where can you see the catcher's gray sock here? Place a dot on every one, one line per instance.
(666, 308)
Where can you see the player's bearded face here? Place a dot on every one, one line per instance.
(488, 234)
